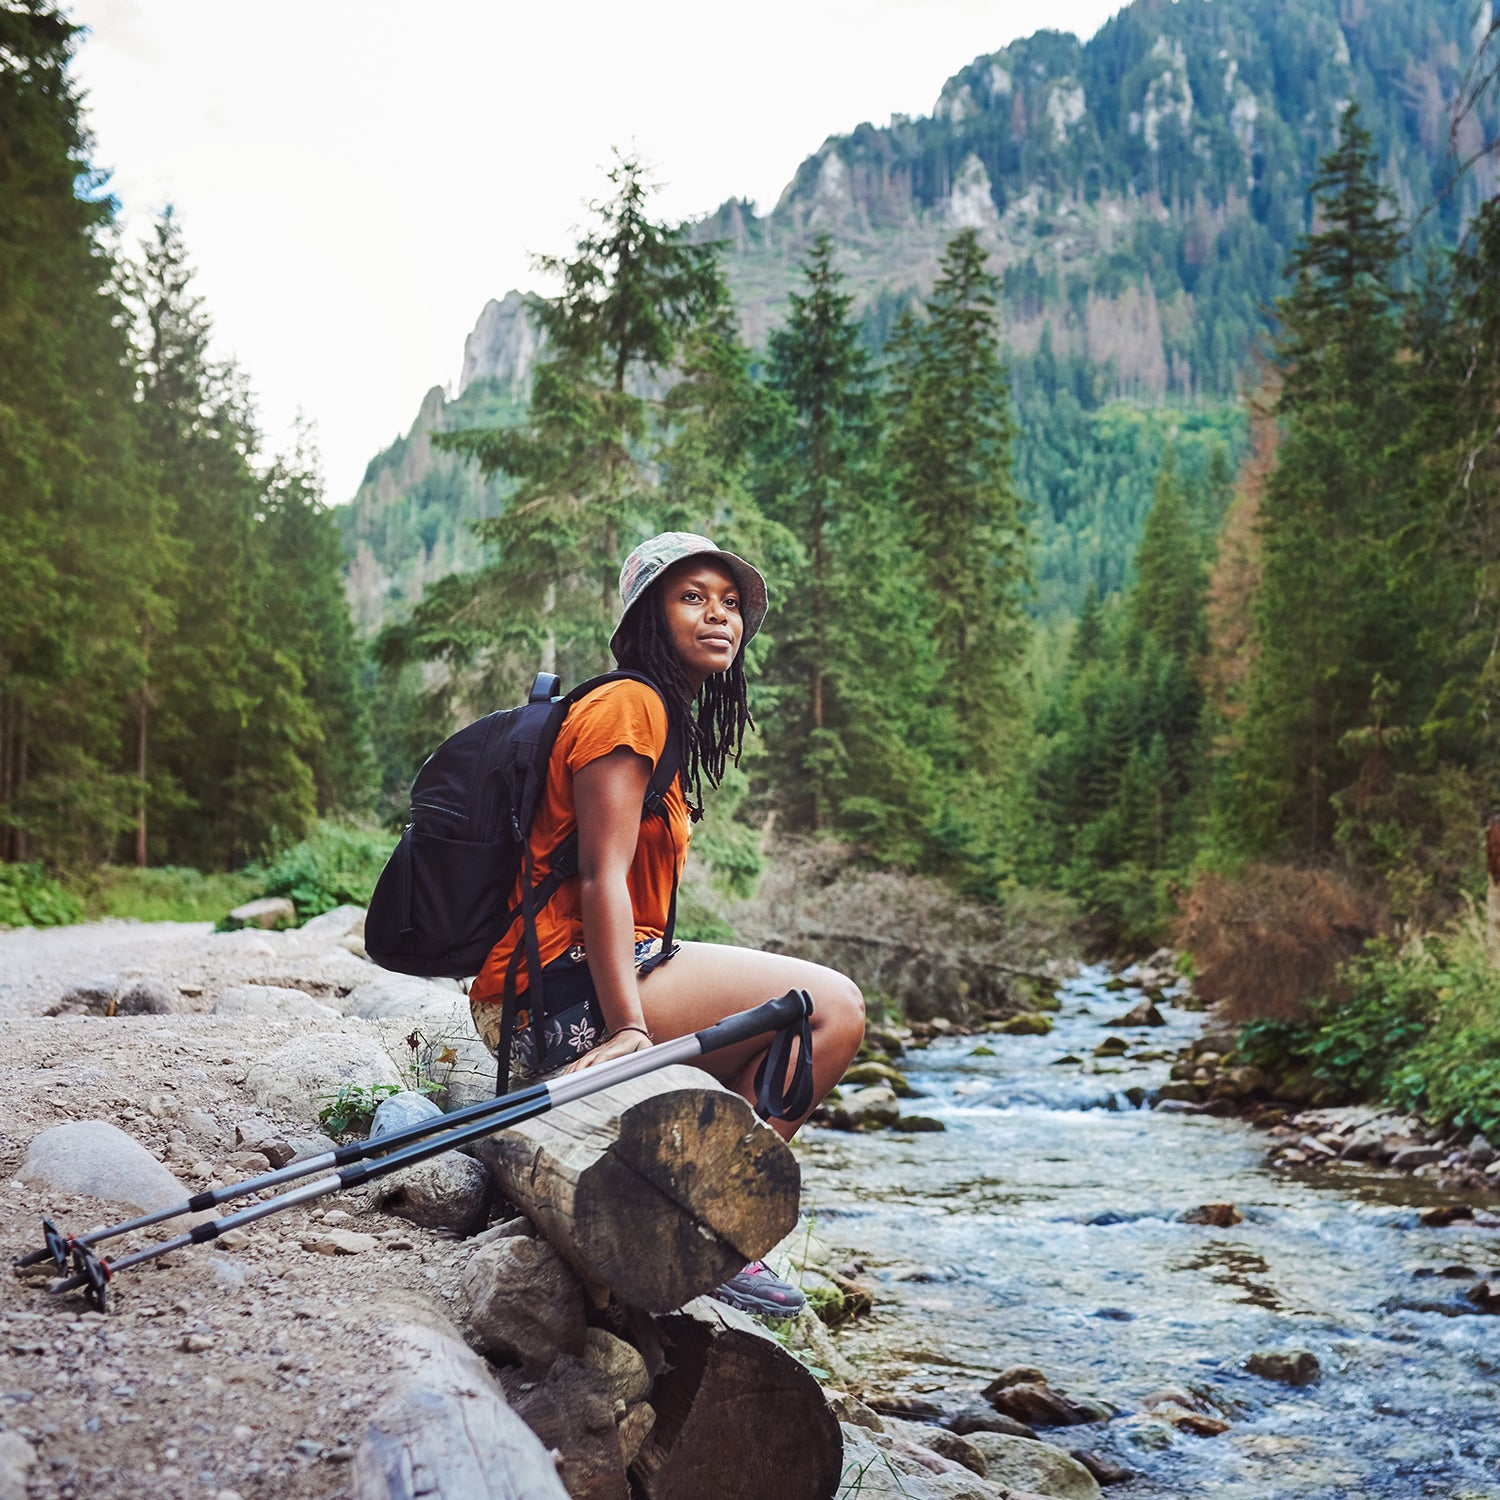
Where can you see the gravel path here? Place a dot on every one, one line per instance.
(239, 1373)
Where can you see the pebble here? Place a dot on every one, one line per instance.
(233, 1239)
(196, 1343)
(341, 1242)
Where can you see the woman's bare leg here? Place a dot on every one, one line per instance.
(705, 982)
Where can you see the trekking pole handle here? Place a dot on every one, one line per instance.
(784, 1010)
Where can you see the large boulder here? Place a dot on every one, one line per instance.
(878, 1466)
(301, 1077)
(268, 912)
(94, 1159)
(401, 997)
(869, 1108)
(525, 1303)
(1027, 1464)
(271, 1002)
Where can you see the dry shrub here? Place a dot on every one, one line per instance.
(1266, 942)
(904, 938)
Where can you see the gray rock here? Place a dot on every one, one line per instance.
(1028, 1464)
(878, 1466)
(403, 1109)
(272, 1003)
(940, 1440)
(95, 1160)
(401, 997)
(269, 911)
(1288, 1366)
(303, 1147)
(866, 1109)
(620, 1364)
(1411, 1157)
(330, 926)
(1364, 1142)
(974, 1416)
(525, 1304)
(451, 1191)
(91, 996)
(1481, 1153)
(471, 1076)
(147, 997)
(17, 1459)
(293, 1077)
(1144, 1014)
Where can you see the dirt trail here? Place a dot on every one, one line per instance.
(216, 1373)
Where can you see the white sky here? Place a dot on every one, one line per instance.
(355, 178)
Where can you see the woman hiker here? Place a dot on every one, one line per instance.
(689, 610)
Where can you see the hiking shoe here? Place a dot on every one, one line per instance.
(757, 1289)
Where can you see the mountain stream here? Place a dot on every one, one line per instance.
(1042, 1229)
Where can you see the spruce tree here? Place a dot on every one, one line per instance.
(584, 461)
(950, 445)
(1331, 515)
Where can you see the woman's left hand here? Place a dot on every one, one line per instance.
(621, 1044)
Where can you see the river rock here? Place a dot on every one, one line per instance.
(940, 1440)
(451, 1192)
(1112, 1046)
(17, 1459)
(1486, 1295)
(271, 1002)
(295, 1076)
(1286, 1366)
(1027, 1023)
(1105, 1470)
(1365, 1141)
(880, 1467)
(1179, 1091)
(1144, 1014)
(1028, 1464)
(866, 1109)
(94, 1159)
(1411, 1157)
(1481, 1153)
(863, 1074)
(1037, 1405)
(973, 1416)
(525, 1303)
(268, 912)
(918, 1125)
(1216, 1215)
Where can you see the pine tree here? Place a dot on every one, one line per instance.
(83, 550)
(950, 446)
(583, 463)
(1331, 514)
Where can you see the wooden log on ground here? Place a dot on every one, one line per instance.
(737, 1417)
(445, 1432)
(659, 1189)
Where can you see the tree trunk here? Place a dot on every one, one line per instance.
(659, 1189)
(737, 1417)
(1492, 898)
(140, 771)
(445, 1432)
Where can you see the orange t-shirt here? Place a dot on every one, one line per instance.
(619, 714)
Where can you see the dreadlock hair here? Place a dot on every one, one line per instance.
(710, 725)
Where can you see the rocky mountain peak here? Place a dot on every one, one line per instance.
(503, 347)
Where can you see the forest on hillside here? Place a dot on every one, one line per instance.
(1277, 741)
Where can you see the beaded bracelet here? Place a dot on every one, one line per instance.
(619, 1029)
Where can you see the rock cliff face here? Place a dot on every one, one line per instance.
(1139, 193)
(502, 347)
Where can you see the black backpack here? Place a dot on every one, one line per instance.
(441, 902)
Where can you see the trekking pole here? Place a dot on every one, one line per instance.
(94, 1273)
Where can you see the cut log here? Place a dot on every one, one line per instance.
(445, 1432)
(737, 1417)
(660, 1188)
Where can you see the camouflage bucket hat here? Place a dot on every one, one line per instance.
(656, 554)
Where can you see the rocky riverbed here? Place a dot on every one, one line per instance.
(1081, 1273)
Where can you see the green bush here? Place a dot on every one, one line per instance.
(336, 865)
(1417, 1027)
(170, 893)
(29, 897)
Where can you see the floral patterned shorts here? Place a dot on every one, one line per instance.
(573, 1023)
